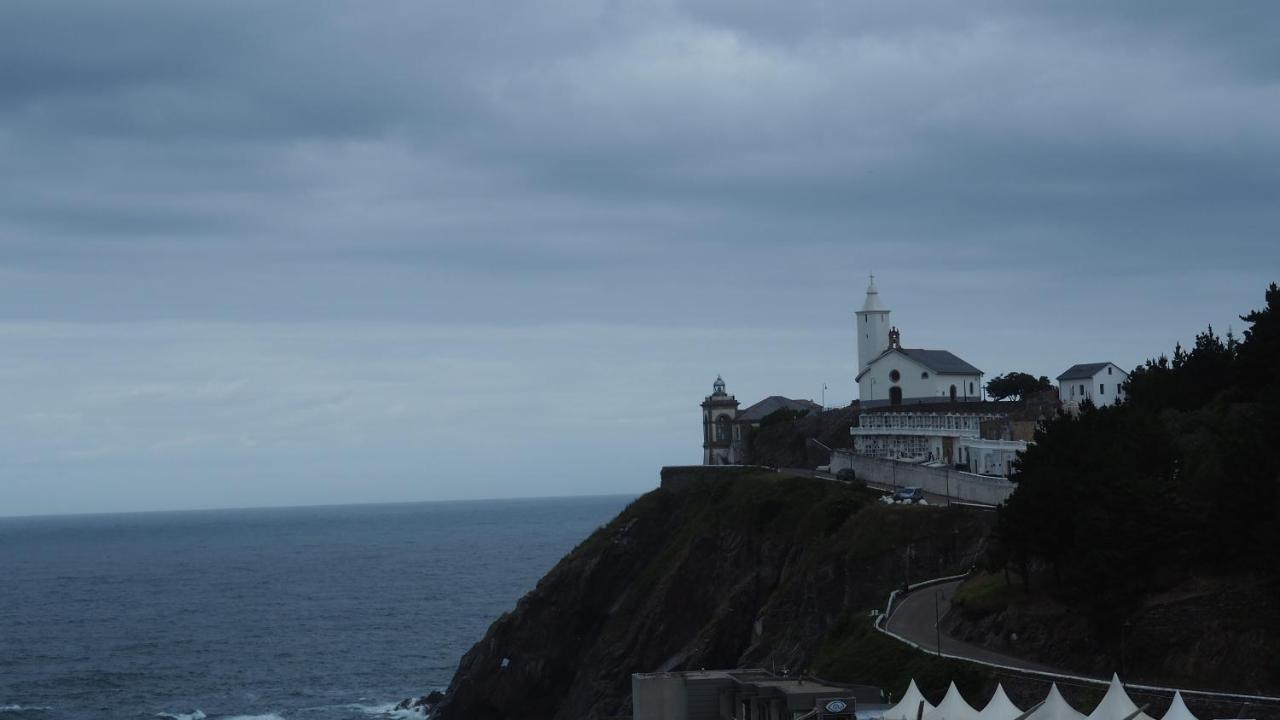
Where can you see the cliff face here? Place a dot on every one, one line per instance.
(715, 569)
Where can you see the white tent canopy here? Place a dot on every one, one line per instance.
(1000, 707)
(908, 706)
(1116, 705)
(952, 707)
(1056, 707)
(1178, 710)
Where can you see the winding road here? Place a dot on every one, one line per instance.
(914, 619)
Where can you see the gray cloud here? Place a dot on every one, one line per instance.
(425, 236)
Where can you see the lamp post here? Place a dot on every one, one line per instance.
(937, 618)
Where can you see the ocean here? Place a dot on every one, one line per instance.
(318, 613)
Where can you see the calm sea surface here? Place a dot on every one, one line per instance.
(302, 613)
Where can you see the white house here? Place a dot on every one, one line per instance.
(889, 374)
(1103, 383)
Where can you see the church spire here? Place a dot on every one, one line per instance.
(872, 303)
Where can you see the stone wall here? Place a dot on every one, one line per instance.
(945, 481)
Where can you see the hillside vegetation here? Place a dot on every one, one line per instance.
(1154, 523)
(742, 569)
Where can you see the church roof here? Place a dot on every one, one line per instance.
(942, 362)
(1083, 371)
(774, 403)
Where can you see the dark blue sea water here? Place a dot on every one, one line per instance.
(303, 614)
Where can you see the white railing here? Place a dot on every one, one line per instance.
(882, 624)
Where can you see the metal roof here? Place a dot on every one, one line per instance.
(942, 362)
(1083, 371)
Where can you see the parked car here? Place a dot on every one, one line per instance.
(908, 495)
(846, 474)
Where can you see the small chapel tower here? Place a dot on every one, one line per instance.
(719, 410)
(873, 327)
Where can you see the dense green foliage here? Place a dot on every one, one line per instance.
(1182, 476)
(1017, 385)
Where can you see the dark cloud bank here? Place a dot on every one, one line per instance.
(272, 253)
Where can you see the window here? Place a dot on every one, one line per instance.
(924, 375)
(1108, 369)
(894, 375)
(970, 388)
(1082, 390)
(1102, 389)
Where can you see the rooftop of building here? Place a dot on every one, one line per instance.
(774, 403)
(1084, 371)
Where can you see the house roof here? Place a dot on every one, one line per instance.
(774, 403)
(1083, 371)
(942, 362)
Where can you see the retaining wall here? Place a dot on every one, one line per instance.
(945, 481)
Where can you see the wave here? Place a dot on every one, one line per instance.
(265, 716)
(193, 715)
(387, 710)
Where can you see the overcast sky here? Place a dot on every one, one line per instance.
(269, 253)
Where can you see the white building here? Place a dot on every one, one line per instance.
(1102, 383)
(925, 406)
(943, 433)
(889, 374)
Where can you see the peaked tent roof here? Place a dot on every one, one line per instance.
(952, 707)
(1083, 371)
(1178, 710)
(908, 706)
(1000, 707)
(1116, 705)
(1056, 707)
(774, 403)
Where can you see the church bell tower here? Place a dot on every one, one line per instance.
(873, 327)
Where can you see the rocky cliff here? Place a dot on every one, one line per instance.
(717, 568)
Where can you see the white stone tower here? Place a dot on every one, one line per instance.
(873, 327)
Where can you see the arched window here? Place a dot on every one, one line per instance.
(722, 428)
(924, 375)
(894, 375)
(953, 393)
(895, 395)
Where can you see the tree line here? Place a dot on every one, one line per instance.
(1183, 476)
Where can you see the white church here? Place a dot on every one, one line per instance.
(918, 405)
(890, 374)
(926, 406)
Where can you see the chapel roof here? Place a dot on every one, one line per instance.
(1083, 371)
(942, 362)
